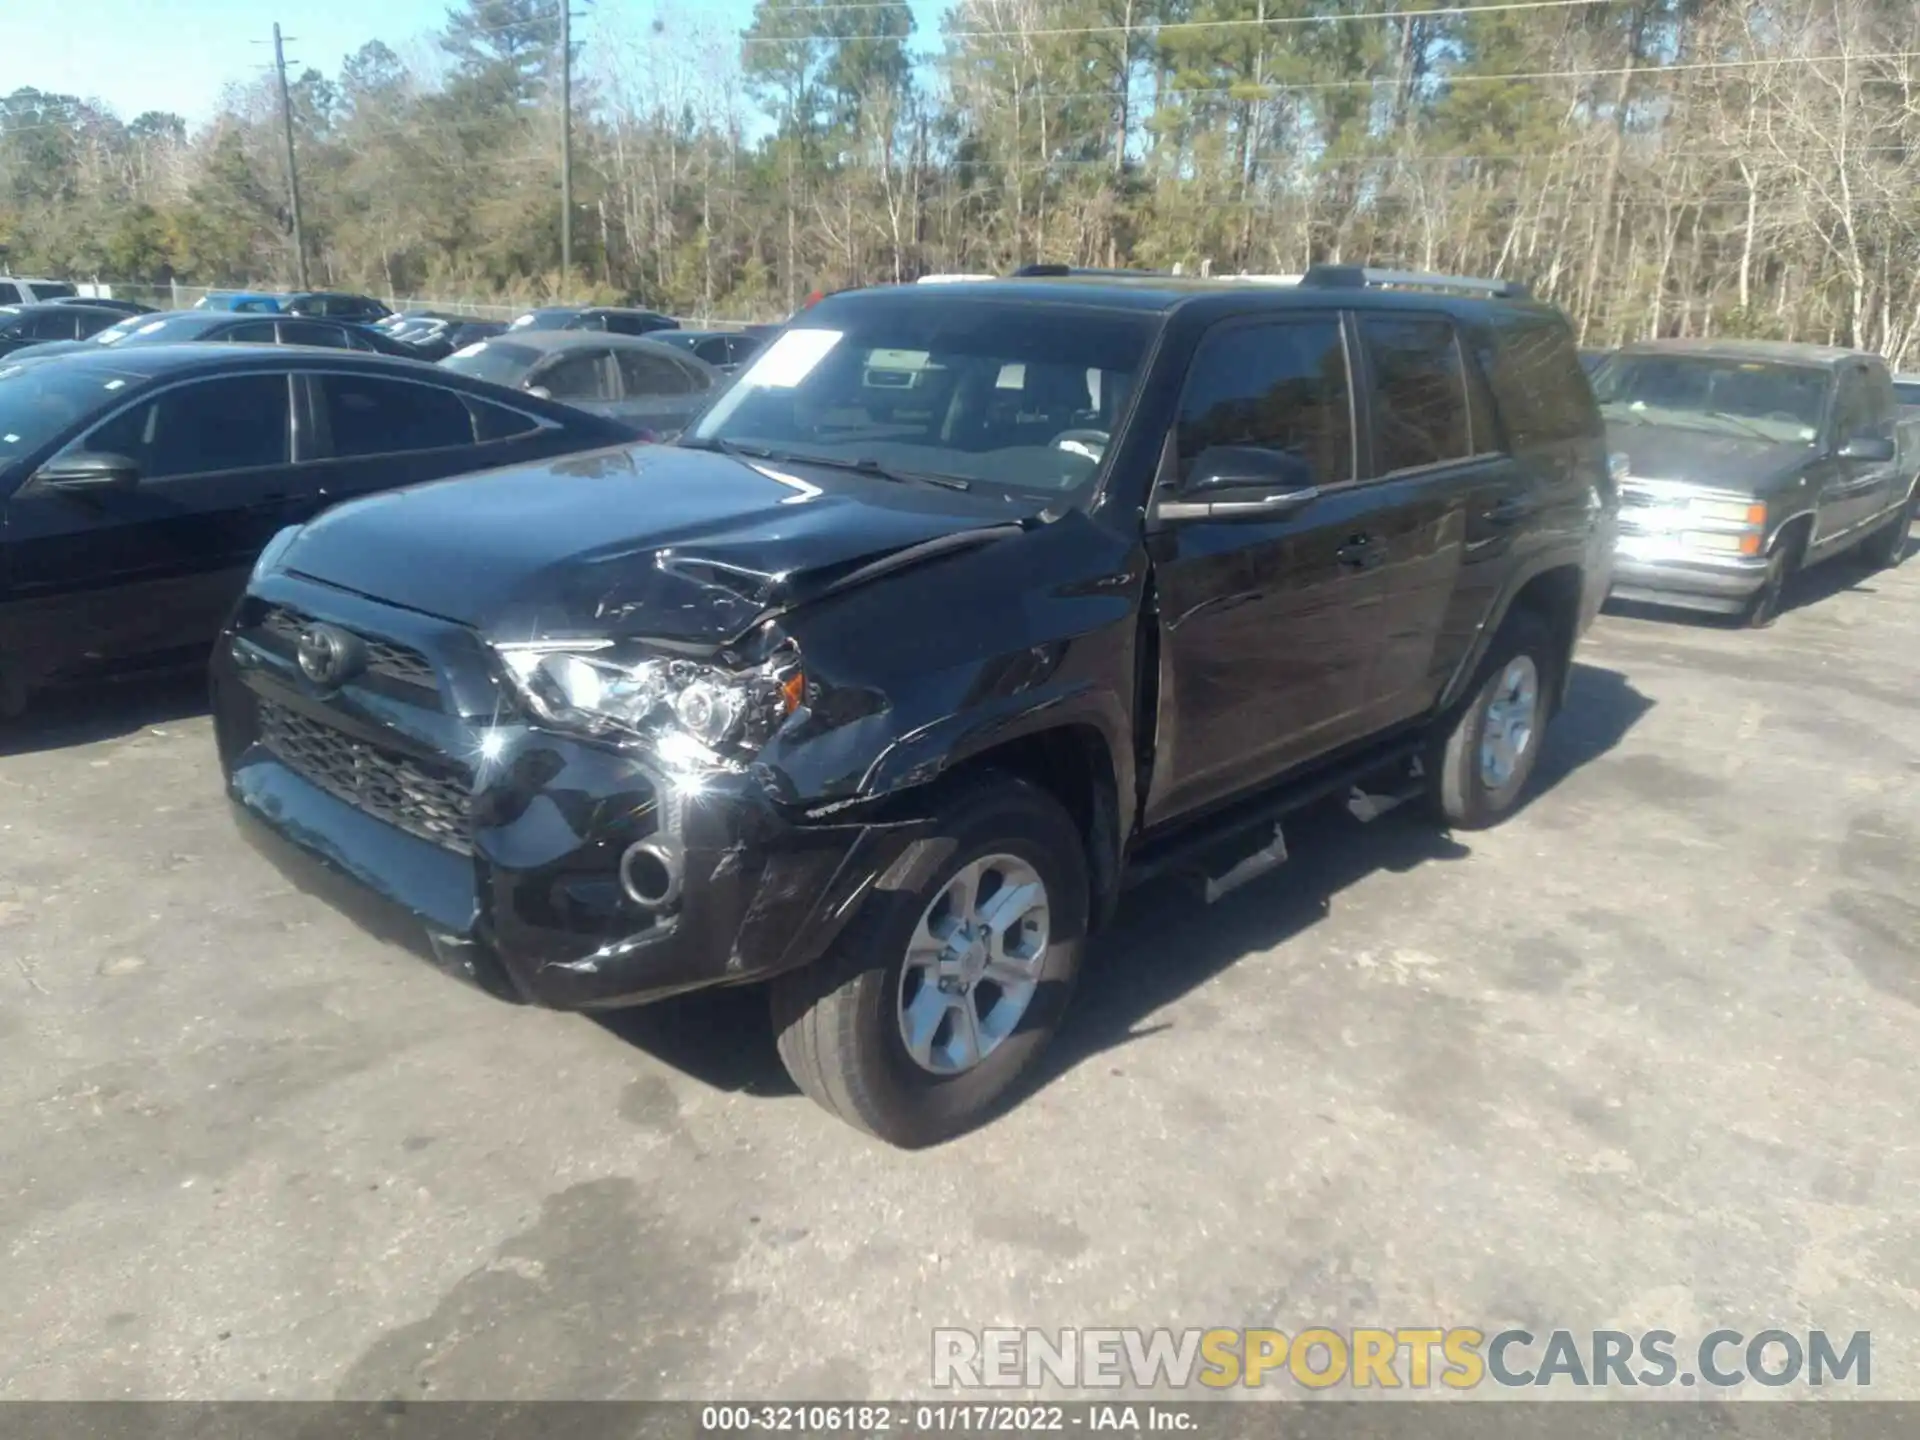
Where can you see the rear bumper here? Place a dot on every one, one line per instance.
(528, 901)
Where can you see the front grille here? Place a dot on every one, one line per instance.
(398, 663)
(385, 784)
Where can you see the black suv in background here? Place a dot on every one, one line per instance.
(963, 605)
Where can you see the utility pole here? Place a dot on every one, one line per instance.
(293, 173)
(566, 147)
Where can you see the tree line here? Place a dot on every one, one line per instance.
(1656, 167)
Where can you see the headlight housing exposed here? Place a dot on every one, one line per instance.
(595, 687)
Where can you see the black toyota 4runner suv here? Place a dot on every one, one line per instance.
(960, 607)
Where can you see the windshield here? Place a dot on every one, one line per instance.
(39, 399)
(1764, 399)
(1014, 394)
(491, 360)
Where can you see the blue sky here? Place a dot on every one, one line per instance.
(178, 55)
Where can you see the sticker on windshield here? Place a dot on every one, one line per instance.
(474, 349)
(791, 358)
(150, 327)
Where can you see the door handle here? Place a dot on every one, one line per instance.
(1508, 512)
(1361, 552)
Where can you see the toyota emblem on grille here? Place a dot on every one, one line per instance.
(328, 655)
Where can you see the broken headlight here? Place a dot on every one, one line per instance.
(590, 686)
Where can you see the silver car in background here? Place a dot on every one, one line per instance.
(650, 386)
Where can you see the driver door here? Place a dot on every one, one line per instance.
(124, 574)
(1853, 491)
(1268, 625)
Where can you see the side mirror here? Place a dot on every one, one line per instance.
(540, 392)
(1869, 450)
(1236, 482)
(90, 470)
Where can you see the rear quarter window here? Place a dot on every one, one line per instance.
(1539, 386)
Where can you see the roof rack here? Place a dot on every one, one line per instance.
(1356, 277)
(1043, 270)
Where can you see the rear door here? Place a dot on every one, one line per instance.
(584, 377)
(154, 569)
(378, 432)
(657, 391)
(1268, 627)
(1435, 461)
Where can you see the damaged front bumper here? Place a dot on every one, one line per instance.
(497, 848)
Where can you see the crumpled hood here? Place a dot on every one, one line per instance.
(653, 541)
(1714, 459)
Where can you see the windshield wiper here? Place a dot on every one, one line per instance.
(1745, 425)
(864, 465)
(727, 447)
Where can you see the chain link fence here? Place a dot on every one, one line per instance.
(185, 297)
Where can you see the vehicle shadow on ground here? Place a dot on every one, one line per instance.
(1165, 941)
(86, 715)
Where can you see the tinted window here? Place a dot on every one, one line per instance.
(92, 319)
(254, 332)
(376, 416)
(11, 293)
(308, 332)
(53, 290)
(52, 325)
(713, 351)
(1273, 387)
(580, 376)
(645, 374)
(1539, 387)
(236, 423)
(496, 422)
(1419, 392)
(1854, 413)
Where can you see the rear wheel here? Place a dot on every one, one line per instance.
(1887, 546)
(1479, 767)
(924, 1014)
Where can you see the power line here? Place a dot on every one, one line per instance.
(1248, 90)
(1162, 27)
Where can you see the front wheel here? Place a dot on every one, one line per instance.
(1764, 606)
(926, 1011)
(1480, 765)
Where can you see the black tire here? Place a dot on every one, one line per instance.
(1765, 605)
(1459, 787)
(837, 1021)
(1887, 546)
